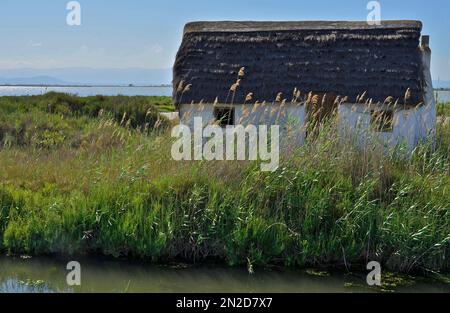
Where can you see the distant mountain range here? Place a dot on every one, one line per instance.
(36, 80)
(85, 76)
(91, 76)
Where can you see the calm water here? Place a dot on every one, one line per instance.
(86, 91)
(49, 275)
(443, 96)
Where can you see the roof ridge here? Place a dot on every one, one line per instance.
(250, 26)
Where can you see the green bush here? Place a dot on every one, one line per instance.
(6, 204)
(53, 119)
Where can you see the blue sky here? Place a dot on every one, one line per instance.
(146, 34)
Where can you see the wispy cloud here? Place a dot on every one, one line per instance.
(157, 49)
(35, 44)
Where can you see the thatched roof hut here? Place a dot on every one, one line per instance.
(343, 58)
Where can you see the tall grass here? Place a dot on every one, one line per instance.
(54, 118)
(329, 204)
(443, 109)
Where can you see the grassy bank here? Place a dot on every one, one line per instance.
(97, 177)
(444, 109)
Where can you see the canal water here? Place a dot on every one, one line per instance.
(40, 275)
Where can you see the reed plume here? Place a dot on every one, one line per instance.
(249, 97)
(180, 87)
(241, 72)
(407, 96)
(278, 97)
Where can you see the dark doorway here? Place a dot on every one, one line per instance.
(225, 116)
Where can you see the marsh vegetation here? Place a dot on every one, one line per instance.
(94, 176)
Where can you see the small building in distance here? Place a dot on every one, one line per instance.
(376, 78)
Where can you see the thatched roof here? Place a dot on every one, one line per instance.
(344, 58)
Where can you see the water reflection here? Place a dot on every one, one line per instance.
(49, 275)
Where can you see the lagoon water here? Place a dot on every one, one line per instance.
(39, 275)
(85, 91)
(443, 96)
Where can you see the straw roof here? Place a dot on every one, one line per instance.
(343, 58)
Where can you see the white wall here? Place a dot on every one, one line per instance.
(189, 111)
(429, 111)
(409, 126)
(290, 117)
